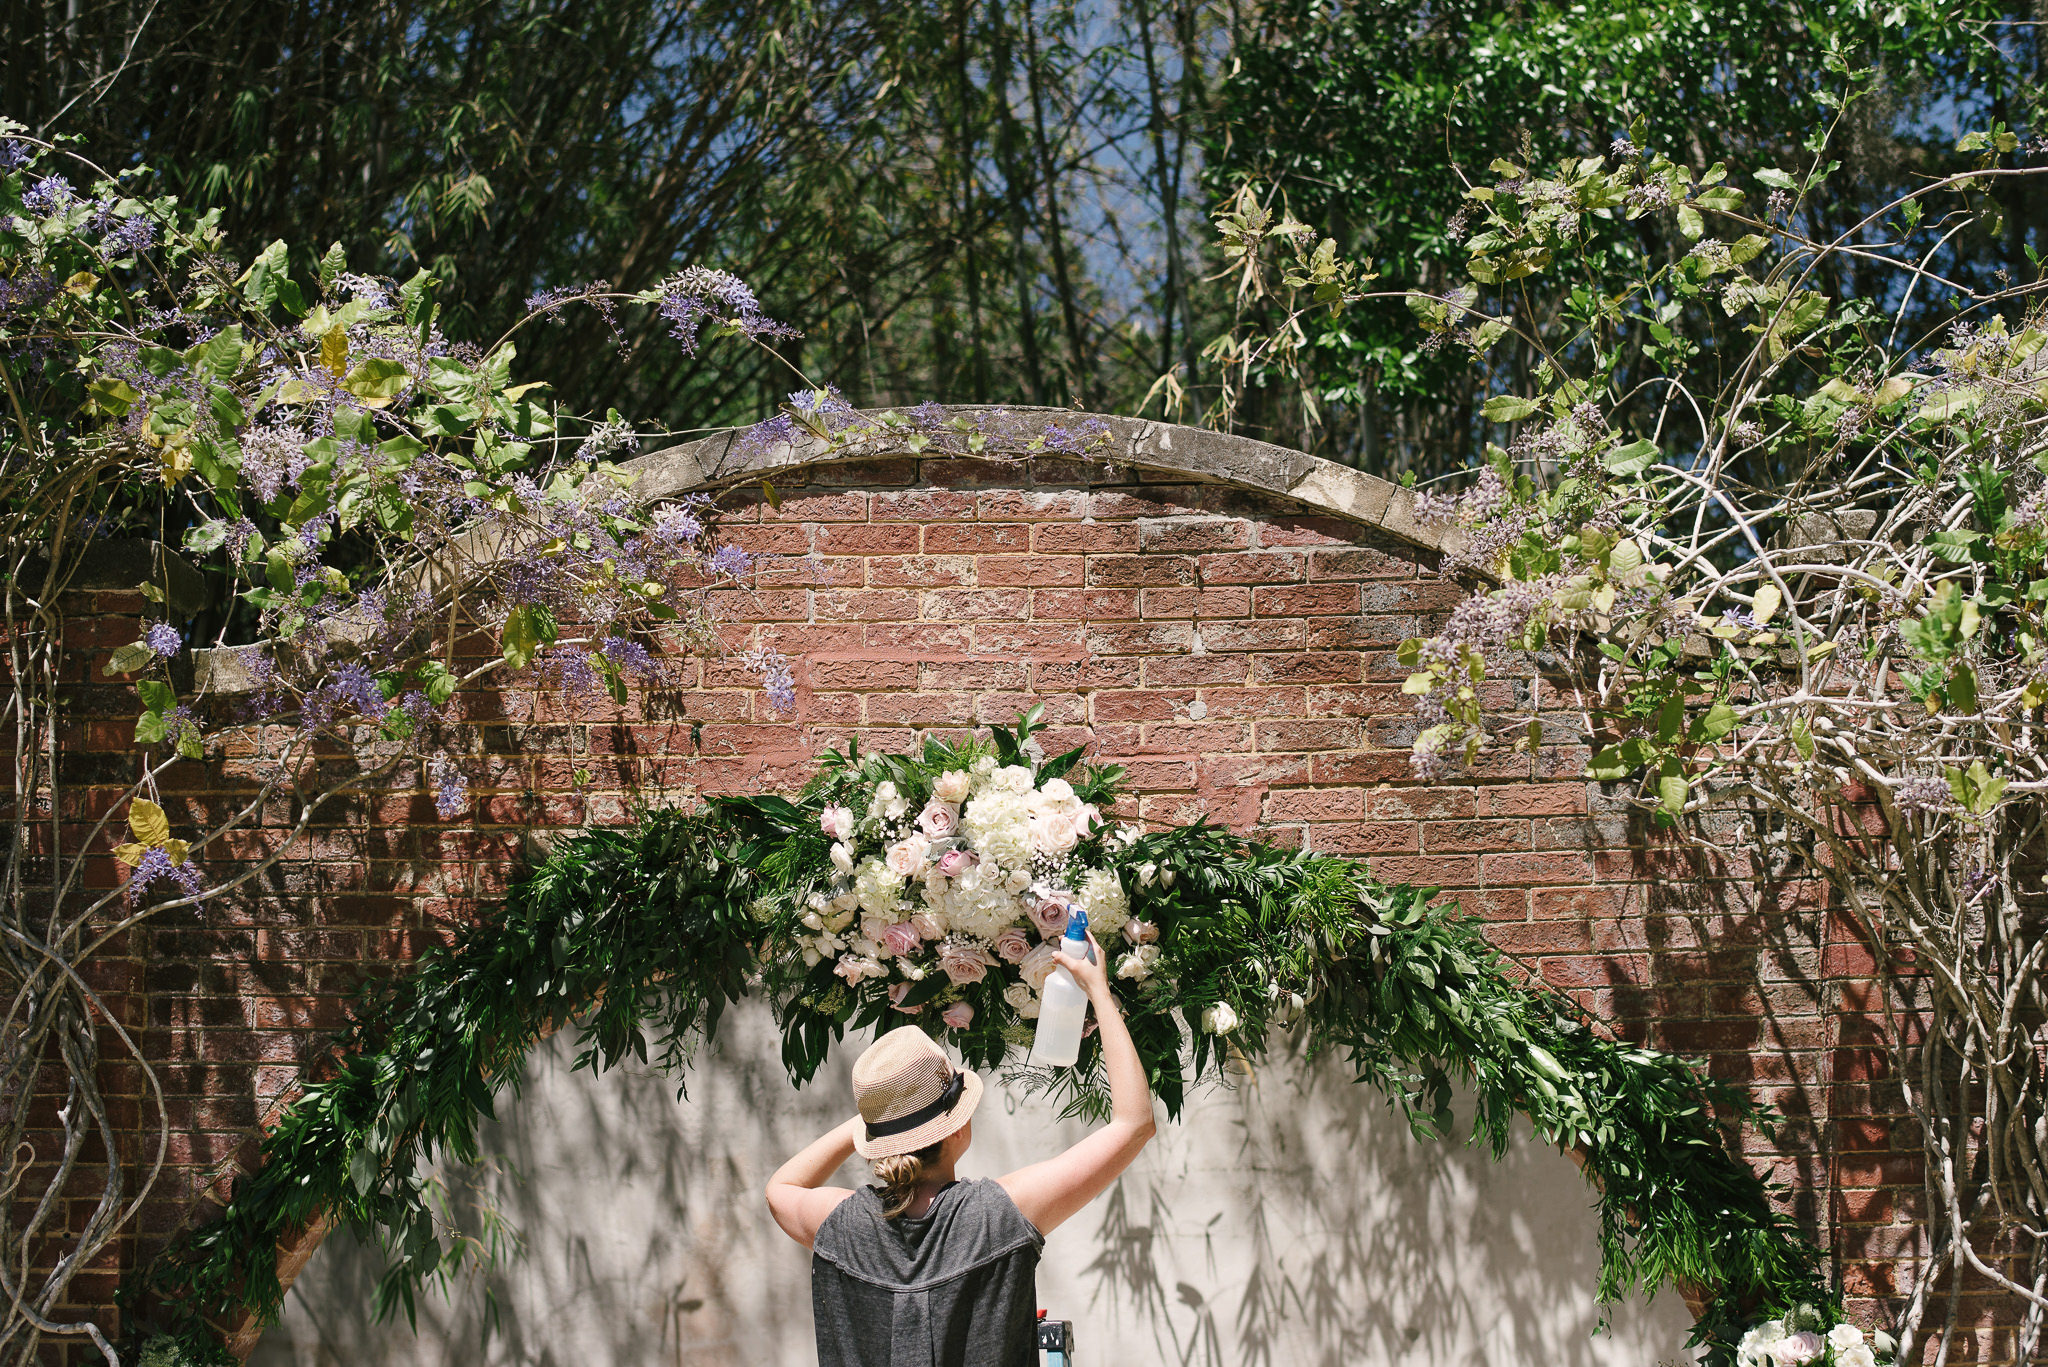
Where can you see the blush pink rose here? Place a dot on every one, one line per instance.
(938, 819)
(1140, 932)
(964, 961)
(958, 1016)
(952, 786)
(1049, 915)
(1037, 966)
(1013, 944)
(836, 822)
(1794, 1349)
(927, 926)
(901, 938)
(906, 856)
(1054, 832)
(896, 996)
(953, 863)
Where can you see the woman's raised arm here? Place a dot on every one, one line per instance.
(1049, 1192)
(796, 1197)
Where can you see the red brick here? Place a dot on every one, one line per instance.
(977, 538)
(1305, 600)
(1094, 538)
(978, 605)
(867, 538)
(1251, 567)
(1030, 571)
(1084, 605)
(1139, 571)
(1188, 535)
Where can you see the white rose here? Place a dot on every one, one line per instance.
(842, 858)
(1146, 872)
(1057, 790)
(1843, 1337)
(1022, 1000)
(1017, 881)
(1054, 832)
(1856, 1355)
(952, 786)
(1014, 779)
(1219, 1019)
(837, 822)
(1137, 965)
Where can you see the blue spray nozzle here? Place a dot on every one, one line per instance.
(1077, 924)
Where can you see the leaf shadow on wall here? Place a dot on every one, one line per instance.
(1288, 1222)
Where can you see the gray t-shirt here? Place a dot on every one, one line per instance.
(953, 1287)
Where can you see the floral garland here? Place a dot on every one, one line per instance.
(924, 887)
(926, 899)
(1810, 1337)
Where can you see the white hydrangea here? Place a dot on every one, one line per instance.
(1014, 779)
(973, 906)
(1101, 895)
(998, 826)
(878, 889)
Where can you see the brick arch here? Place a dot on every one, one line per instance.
(1217, 614)
(1138, 443)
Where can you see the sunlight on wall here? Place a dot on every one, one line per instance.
(1291, 1222)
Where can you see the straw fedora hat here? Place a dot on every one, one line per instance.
(910, 1094)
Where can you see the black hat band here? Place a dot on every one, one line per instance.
(881, 1129)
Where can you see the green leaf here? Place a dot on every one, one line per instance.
(128, 659)
(206, 538)
(1777, 180)
(377, 380)
(1631, 459)
(1717, 722)
(112, 398)
(260, 282)
(332, 265)
(1672, 791)
(1689, 221)
(1962, 689)
(1508, 408)
(527, 629)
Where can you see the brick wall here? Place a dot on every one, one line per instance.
(1234, 650)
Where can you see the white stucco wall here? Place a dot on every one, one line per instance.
(1290, 1222)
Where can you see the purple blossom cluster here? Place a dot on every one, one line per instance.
(163, 640)
(273, 458)
(129, 236)
(1921, 793)
(14, 154)
(699, 295)
(777, 678)
(450, 784)
(50, 195)
(156, 867)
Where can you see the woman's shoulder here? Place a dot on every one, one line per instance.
(987, 1199)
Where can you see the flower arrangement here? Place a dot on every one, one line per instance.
(949, 877)
(1805, 1337)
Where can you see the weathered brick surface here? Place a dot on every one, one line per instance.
(1234, 652)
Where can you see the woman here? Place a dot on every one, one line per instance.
(922, 1269)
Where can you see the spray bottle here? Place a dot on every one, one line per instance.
(1063, 1008)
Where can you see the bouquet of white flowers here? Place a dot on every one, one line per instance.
(945, 875)
(1804, 1338)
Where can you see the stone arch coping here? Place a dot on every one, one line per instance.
(721, 461)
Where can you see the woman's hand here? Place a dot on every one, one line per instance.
(1093, 977)
(1047, 1193)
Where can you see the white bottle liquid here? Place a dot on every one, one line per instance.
(1063, 1008)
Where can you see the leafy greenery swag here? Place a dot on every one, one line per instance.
(643, 935)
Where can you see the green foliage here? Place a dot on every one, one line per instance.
(642, 936)
(1369, 117)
